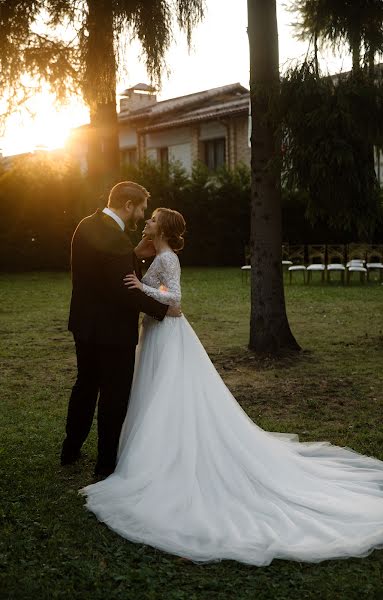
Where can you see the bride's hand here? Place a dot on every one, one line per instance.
(145, 248)
(132, 282)
(174, 311)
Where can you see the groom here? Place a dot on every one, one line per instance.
(104, 322)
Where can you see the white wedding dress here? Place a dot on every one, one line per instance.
(197, 478)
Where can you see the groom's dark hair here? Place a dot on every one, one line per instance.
(127, 190)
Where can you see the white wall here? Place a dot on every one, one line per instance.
(183, 154)
(127, 138)
(212, 130)
(170, 137)
(178, 142)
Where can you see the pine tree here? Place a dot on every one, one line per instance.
(33, 49)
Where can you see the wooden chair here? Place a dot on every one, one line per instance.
(356, 260)
(246, 268)
(286, 262)
(336, 254)
(374, 260)
(297, 257)
(316, 254)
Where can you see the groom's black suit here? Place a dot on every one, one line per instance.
(104, 322)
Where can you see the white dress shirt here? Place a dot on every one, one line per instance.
(112, 214)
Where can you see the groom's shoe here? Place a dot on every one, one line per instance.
(102, 472)
(69, 457)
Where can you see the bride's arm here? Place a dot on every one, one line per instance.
(169, 273)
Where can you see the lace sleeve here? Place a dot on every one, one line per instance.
(168, 272)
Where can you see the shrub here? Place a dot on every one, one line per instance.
(216, 208)
(42, 197)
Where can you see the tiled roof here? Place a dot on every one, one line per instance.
(172, 109)
(230, 108)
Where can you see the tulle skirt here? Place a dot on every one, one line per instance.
(197, 478)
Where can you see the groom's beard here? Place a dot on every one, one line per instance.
(131, 224)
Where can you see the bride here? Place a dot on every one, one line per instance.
(197, 478)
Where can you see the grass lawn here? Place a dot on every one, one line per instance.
(50, 547)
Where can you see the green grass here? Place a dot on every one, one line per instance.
(50, 547)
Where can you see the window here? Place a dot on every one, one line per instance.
(215, 153)
(129, 156)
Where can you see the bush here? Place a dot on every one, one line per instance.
(42, 198)
(297, 229)
(216, 208)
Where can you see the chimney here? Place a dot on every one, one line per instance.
(136, 97)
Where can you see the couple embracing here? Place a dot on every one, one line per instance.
(181, 467)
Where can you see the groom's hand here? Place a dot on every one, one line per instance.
(131, 281)
(145, 248)
(174, 311)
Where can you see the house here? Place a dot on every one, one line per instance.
(210, 126)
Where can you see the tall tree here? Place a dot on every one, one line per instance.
(269, 327)
(33, 48)
(358, 24)
(330, 128)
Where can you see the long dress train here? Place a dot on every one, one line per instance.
(197, 478)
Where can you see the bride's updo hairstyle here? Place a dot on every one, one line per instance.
(172, 226)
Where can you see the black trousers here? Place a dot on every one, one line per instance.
(104, 372)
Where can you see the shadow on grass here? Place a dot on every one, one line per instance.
(231, 358)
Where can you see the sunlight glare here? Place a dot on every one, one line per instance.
(47, 129)
(219, 56)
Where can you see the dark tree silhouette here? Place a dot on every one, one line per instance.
(34, 48)
(269, 327)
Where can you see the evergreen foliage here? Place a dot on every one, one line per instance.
(216, 208)
(77, 46)
(70, 45)
(358, 24)
(42, 199)
(329, 131)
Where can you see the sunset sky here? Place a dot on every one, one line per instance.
(219, 56)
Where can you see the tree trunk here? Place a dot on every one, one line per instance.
(370, 147)
(371, 63)
(100, 94)
(269, 328)
(355, 51)
(316, 60)
(378, 174)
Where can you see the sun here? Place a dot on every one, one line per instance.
(48, 131)
(42, 125)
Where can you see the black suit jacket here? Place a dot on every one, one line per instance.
(103, 310)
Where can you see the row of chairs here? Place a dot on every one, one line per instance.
(344, 259)
(328, 259)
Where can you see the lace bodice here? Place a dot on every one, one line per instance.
(162, 279)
